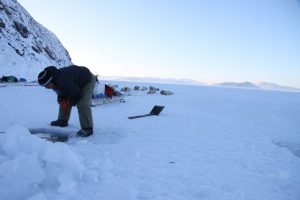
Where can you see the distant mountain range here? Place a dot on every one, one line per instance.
(263, 85)
(248, 85)
(235, 84)
(26, 47)
(154, 80)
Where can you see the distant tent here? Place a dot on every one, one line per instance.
(9, 79)
(22, 80)
(105, 94)
(109, 91)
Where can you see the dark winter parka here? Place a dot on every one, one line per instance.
(69, 81)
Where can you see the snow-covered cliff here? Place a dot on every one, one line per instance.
(26, 47)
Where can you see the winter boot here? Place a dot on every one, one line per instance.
(59, 122)
(85, 132)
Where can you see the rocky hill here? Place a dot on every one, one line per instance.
(26, 47)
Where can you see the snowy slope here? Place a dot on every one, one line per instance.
(209, 143)
(26, 47)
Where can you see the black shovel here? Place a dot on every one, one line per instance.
(155, 111)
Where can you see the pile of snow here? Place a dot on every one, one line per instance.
(26, 46)
(29, 164)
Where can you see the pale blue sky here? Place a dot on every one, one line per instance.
(204, 40)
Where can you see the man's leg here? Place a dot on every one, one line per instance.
(63, 117)
(64, 114)
(84, 105)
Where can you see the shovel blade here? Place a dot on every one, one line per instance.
(156, 110)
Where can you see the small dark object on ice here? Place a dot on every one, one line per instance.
(137, 88)
(126, 89)
(156, 110)
(152, 90)
(166, 92)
